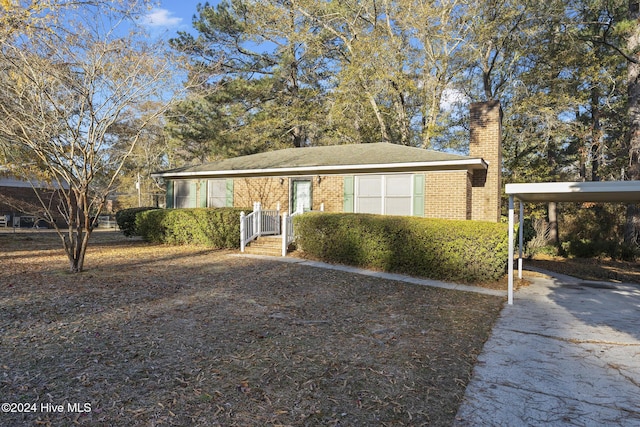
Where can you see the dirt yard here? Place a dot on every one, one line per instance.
(159, 336)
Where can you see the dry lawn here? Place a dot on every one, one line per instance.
(159, 336)
(589, 269)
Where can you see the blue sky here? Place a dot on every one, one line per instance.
(172, 16)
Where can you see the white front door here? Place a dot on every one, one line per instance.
(301, 193)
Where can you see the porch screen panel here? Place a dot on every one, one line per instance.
(217, 193)
(369, 194)
(397, 194)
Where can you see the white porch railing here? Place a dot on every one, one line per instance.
(270, 224)
(258, 223)
(267, 222)
(249, 227)
(287, 228)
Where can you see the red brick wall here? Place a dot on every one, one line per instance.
(485, 142)
(268, 191)
(447, 195)
(271, 190)
(330, 191)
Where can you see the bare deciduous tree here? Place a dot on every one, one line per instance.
(64, 93)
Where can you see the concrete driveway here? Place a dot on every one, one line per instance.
(567, 353)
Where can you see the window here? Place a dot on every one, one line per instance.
(369, 194)
(384, 194)
(217, 193)
(397, 191)
(185, 194)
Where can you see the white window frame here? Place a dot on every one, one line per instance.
(176, 187)
(383, 182)
(223, 197)
(292, 196)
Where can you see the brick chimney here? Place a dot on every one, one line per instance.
(486, 142)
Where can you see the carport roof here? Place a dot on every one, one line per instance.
(602, 191)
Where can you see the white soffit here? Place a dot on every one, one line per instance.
(435, 166)
(602, 191)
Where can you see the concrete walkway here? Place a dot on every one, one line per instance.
(567, 353)
(381, 274)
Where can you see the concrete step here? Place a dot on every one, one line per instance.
(266, 252)
(265, 245)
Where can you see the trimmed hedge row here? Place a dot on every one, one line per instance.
(218, 228)
(126, 219)
(461, 251)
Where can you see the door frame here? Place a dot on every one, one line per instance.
(292, 195)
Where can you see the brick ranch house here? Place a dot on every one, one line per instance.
(364, 178)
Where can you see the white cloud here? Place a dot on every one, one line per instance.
(160, 18)
(452, 96)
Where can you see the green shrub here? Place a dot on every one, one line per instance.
(126, 220)
(594, 230)
(218, 228)
(586, 248)
(466, 251)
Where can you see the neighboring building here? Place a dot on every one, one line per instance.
(367, 178)
(20, 205)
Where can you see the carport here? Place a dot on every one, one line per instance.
(603, 192)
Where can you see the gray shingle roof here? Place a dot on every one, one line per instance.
(324, 159)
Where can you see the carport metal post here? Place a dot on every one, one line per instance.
(520, 238)
(510, 260)
(511, 243)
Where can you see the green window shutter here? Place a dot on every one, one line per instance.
(203, 193)
(169, 196)
(229, 193)
(348, 205)
(193, 193)
(418, 195)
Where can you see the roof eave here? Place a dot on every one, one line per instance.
(444, 165)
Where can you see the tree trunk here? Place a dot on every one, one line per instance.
(633, 91)
(299, 136)
(402, 122)
(553, 223)
(384, 135)
(430, 115)
(596, 134)
(76, 239)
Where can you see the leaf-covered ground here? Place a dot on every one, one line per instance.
(589, 269)
(162, 335)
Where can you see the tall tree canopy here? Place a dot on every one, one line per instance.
(303, 72)
(306, 73)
